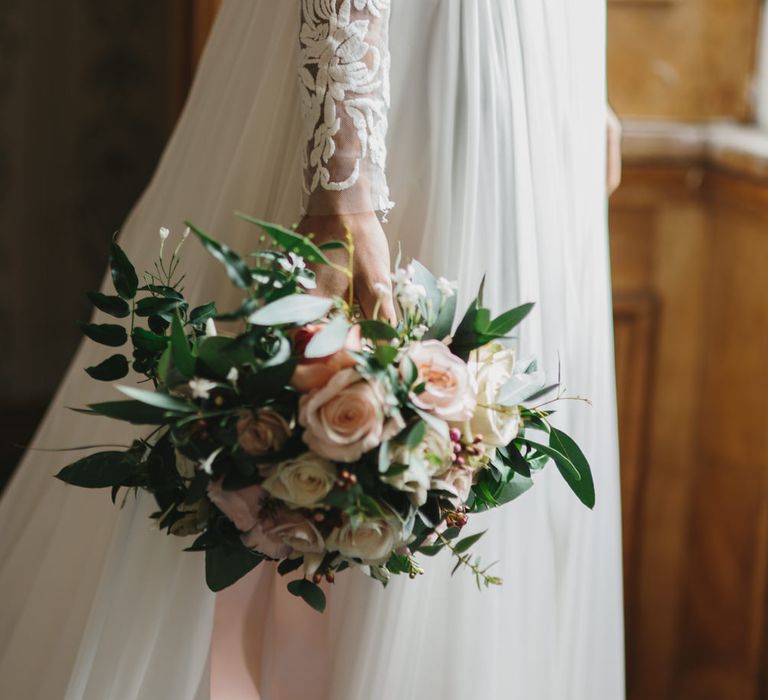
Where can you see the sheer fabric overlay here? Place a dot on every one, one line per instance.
(344, 65)
(496, 161)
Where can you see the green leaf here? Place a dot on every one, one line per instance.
(377, 330)
(105, 333)
(333, 245)
(157, 399)
(503, 324)
(584, 486)
(236, 267)
(124, 276)
(220, 354)
(101, 470)
(416, 434)
(310, 592)
(294, 309)
(562, 461)
(115, 367)
(135, 412)
(385, 355)
(201, 314)
(114, 306)
(464, 544)
(227, 563)
(183, 358)
(149, 341)
(157, 306)
(290, 240)
(288, 565)
(329, 340)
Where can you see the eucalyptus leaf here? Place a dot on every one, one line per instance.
(465, 543)
(329, 340)
(114, 306)
(295, 309)
(158, 399)
(105, 333)
(100, 470)
(156, 306)
(201, 314)
(236, 267)
(115, 367)
(124, 276)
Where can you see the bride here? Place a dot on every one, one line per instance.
(494, 115)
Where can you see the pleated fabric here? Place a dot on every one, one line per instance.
(496, 161)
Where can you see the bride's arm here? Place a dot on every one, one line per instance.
(344, 84)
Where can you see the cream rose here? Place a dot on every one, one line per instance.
(449, 392)
(493, 366)
(372, 541)
(262, 432)
(457, 481)
(284, 534)
(242, 507)
(302, 482)
(431, 456)
(346, 418)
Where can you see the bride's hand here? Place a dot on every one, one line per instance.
(370, 264)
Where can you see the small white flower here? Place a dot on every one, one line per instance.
(186, 233)
(381, 289)
(233, 375)
(419, 331)
(210, 329)
(201, 388)
(164, 233)
(207, 464)
(410, 295)
(402, 276)
(446, 287)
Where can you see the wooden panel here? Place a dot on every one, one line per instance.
(686, 59)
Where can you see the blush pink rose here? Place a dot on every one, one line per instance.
(450, 390)
(346, 418)
(317, 372)
(283, 534)
(458, 481)
(262, 431)
(242, 507)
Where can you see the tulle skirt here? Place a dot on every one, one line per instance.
(496, 165)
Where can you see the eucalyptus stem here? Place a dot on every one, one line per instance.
(481, 575)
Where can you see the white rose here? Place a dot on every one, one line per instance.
(302, 482)
(432, 456)
(493, 366)
(372, 541)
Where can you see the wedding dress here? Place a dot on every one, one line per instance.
(495, 128)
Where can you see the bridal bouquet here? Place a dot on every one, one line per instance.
(313, 437)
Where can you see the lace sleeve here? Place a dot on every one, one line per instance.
(344, 81)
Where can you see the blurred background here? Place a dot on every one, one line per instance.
(89, 92)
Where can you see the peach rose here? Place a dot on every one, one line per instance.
(450, 390)
(317, 372)
(283, 534)
(242, 507)
(262, 432)
(346, 418)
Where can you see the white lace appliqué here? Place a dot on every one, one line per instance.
(344, 77)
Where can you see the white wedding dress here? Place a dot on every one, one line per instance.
(496, 166)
